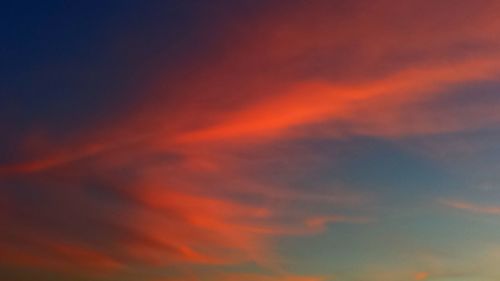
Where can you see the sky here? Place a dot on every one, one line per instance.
(267, 140)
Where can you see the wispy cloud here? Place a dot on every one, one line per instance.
(472, 207)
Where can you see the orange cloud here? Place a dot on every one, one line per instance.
(421, 276)
(471, 207)
(182, 224)
(321, 222)
(315, 102)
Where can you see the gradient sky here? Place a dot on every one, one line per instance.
(268, 140)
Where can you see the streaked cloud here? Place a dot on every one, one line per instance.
(472, 207)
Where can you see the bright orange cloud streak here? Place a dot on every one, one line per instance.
(316, 102)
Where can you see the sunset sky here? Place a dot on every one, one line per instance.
(250, 140)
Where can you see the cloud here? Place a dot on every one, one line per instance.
(159, 210)
(257, 277)
(471, 207)
(421, 276)
(50, 254)
(321, 222)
